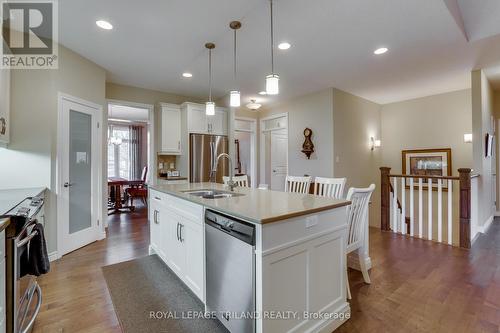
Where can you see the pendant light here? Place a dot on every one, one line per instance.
(234, 95)
(272, 80)
(210, 106)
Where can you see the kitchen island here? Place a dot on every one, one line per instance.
(299, 252)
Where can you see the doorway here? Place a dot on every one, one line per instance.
(274, 152)
(130, 158)
(79, 173)
(245, 141)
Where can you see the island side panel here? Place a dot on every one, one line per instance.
(302, 278)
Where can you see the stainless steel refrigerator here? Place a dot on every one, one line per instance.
(203, 152)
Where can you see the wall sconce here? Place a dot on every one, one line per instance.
(467, 138)
(375, 143)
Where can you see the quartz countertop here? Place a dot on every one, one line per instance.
(12, 197)
(257, 206)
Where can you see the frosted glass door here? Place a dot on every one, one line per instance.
(79, 180)
(80, 171)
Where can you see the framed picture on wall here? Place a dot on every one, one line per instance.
(427, 162)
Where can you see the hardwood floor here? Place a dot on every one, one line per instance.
(75, 295)
(417, 286)
(421, 286)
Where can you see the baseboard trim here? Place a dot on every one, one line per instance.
(53, 256)
(484, 228)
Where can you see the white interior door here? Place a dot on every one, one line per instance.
(279, 160)
(78, 180)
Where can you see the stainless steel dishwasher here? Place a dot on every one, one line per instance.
(230, 268)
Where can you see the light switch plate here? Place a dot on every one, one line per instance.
(311, 221)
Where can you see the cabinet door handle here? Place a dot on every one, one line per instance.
(178, 238)
(156, 217)
(158, 198)
(181, 227)
(178, 145)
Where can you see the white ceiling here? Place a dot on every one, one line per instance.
(154, 41)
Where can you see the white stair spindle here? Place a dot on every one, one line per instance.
(429, 209)
(412, 212)
(403, 205)
(440, 210)
(420, 208)
(395, 204)
(391, 214)
(450, 211)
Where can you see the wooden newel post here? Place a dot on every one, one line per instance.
(385, 191)
(465, 207)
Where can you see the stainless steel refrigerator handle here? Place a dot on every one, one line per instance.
(211, 156)
(37, 309)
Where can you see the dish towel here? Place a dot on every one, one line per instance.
(38, 262)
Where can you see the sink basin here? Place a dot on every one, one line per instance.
(213, 194)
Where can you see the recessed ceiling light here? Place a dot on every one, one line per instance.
(104, 25)
(284, 46)
(381, 50)
(263, 93)
(187, 74)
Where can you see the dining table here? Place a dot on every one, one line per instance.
(116, 184)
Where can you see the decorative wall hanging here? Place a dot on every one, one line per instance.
(427, 162)
(308, 146)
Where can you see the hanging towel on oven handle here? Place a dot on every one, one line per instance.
(38, 259)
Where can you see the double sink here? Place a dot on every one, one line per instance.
(213, 194)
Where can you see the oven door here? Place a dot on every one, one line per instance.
(27, 292)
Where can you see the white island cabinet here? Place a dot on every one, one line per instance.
(176, 228)
(300, 261)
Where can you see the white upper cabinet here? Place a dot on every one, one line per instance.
(171, 129)
(4, 106)
(196, 118)
(199, 122)
(218, 122)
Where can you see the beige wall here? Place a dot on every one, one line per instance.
(496, 101)
(33, 148)
(145, 96)
(342, 125)
(482, 114)
(316, 112)
(120, 92)
(355, 120)
(438, 121)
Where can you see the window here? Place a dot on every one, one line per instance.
(118, 151)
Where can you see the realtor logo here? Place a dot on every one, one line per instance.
(29, 34)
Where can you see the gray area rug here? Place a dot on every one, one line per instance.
(149, 297)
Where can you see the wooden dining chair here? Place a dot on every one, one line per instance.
(329, 187)
(297, 184)
(241, 181)
(357, 217)
(138, 190)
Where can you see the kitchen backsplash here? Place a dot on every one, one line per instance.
(166, 163)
